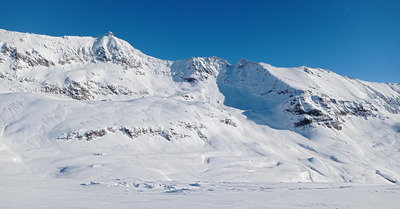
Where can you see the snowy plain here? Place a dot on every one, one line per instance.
(133, 193)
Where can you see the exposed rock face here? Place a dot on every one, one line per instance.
(24, 59)
(110, 49)
(328, 111)
(197, 69)
(73, 89)
(89, 90)
(184, 130)
(260, 88)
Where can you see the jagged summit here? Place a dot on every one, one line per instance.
(215, 121)
(30, 50)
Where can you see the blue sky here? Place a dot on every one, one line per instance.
(358, 38)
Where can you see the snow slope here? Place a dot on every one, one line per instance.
(94, 109)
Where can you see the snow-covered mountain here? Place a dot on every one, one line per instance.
(99, 110)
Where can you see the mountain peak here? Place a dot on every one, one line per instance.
(29, 50)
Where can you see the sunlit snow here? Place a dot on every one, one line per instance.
(92, 122)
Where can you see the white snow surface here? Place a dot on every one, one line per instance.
(93, 116)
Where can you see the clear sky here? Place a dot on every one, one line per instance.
(356, 38)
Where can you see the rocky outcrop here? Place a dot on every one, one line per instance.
(24, 59)
(327, 112)
(197, 69)
(90, 89)
(177, 130)
(73, 89)
(109, 49)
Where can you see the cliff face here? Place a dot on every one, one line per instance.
(308, 97)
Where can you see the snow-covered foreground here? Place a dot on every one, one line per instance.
(45, 164)
(132, 193)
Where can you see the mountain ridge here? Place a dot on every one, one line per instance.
(321, 88)
(217, 121)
